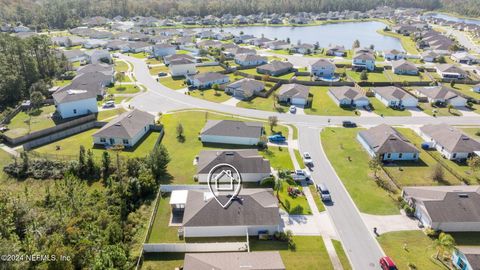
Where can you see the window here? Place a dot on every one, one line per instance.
(103, 140)
(400, 155)
(415, 155)
(454, 155)
(75, 111)
(125, 141)
(389, 155)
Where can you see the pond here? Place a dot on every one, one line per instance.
(453, 18)
(328, 34)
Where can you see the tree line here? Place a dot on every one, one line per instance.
(68, 13)
(97, 228)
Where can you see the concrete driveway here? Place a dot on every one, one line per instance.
(391, 223)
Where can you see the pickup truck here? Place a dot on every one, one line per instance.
(299, 175)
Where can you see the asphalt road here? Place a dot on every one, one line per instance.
(360, 246)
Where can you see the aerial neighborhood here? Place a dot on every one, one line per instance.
(301, 139)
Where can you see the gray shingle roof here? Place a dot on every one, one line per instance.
(126, 126)
(70, 95)
(438, 92)
(385, 139)
(265, 260)
(275, 66)
(246, 84)
(324, 63)
(293, 90)
(233, 128)
(252, 207)
(245, 161)
(346, 92)
(403, 64)
(451, 138)
(450, 68)
(208, 77)
(392, 93)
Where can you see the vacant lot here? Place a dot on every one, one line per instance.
(26, 122)
(340, 144)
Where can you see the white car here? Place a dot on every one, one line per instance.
(307, 159)
(109, 104)
(299, 175)
(293, 109)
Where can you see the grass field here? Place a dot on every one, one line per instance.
(407, 43)
(278, 156)
(39, 119)
(158, 69)
(419, 249)
(294, 206)
(108, 114)
(210, 95)
(341, 255)
(121, 66)
(379, 108)
(322, 104)
(153, 61)
(174, 83)
(123, 89)
(310, 252)
(316, 198)
(373, 76)
(167, 261)
(472, 132)
(421, 77)
(437, 111)
(209, 69)
(61, 83)
(161, 232)
(264, 104)
(467, 90)
(139, 55)
(341, 143)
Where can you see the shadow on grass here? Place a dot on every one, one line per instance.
(399, 164)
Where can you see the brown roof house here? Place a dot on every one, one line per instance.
(264, 260)
(249, 163)
(403, 67)
(275, 68)
(127, 129)
(446, 208)
(253, 211)
(449, 71)
(295, 94)
(245, 88)
(387, 144)
(452, 143)
(232, 132)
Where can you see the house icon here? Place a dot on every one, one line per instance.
(221, 184)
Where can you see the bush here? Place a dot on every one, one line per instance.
(37, 169)
(431, 233)
(408, 210)
(268, 182)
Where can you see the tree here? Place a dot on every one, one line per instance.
(272, 122)
(474, 163)
(157, 161)
(452, 83)
(356, 44)
(36, 98)
(375, 165)
(179, 131)
(438, 174)
(364, 75)
(278, 187)
(445, 243)
(106, 163)
(449, 107)
(120, 77)
(441, 59)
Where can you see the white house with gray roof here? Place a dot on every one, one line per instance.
(348, 96)
(250, 59)
(295, 94)
(75, 102)
(363, 61)
(393, 54)
(275, 68)
(258, 260)
(441, 94)
(449, 71)
(245, 88)
(232, 132)
(452, 143)
(387, 144)
(446, 208)
(322, 68)
(127, 129)
(161, 50)
(207, 79)
(392, 96)
(403, 67)
(249, 163)
(182, 67)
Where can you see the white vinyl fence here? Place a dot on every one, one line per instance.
(196, 247)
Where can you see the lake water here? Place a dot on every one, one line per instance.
(336, 34)
(454, 19)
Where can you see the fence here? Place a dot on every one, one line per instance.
(196, 247)
(49, 131)
(11, 115)
(170, 188)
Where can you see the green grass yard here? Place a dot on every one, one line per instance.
(210, 95)
(316, 198)
(278, 156)
(419, 249)
(379, 108)
(421, 77)
(158, 69)
(294, 206)
(139, 55)
(341, 255)
(161, 232)
(472, 132)
(61, 83)
(174, 83)
(121, 66)
(264, 104)
(210, 69)
(108, 114)
(173, 260)
(373, 76)
(39, 119)
(466, 89)
(341, 143)
(438, 111)
(153, 61)
(123, 89)
(407, 43)
(323, 104)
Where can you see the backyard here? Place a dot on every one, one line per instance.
(373, 76)
(203, 69)
(350, 161)
(407, 78)
(39, 119)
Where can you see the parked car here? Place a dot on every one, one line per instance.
(115, 55)
(324, 192)
(307, 159)
(277, 138)
(293, 109)
(348, 124)
(109, 104)
(299, 175)
(162, 74)
(387, 264)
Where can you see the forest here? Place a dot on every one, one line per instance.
(68, 13)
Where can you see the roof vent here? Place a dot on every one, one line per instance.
(463, 195)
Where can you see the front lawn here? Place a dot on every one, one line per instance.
(466, 89)
(419, 173)
(309, 253)
(123, 89)
(139, 55)
(373, 76)
(174, 83)
(419, 249)
(421, 77)
(293, 205)
(153, 61)
(472, 132)
(39, 119)
(155, 70)
(264, 104)
(340, 144)
(438, 111)
(121, 66)
(279, 157)
(379, 108)
(322, 104)
(210, 95)
(163, 260)
(108, 114)
(316, 198)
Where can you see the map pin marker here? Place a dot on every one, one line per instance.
(226, 179)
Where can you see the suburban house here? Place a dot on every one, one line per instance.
(452, 143)
(295, 94)
(72, 103)
(464, 58)
(139, 46)
(304, 48)
(278, 45)
(245, 88)
(446, 208)
(75, 55)
(441, 95)
(258, 260)
(261, 41)
(387, 144)
(348, 96)
(336, 51)
(161, 50)
(168, 58)
(232, 52)
(363, 60)
(232, 132)
(127, 129)
(393, 55)
(94, 43)
(99, 56)
(395, 97)
(323, 68)
(429, 56)
(250, 60)
(249, 163)
(182, 67)
(449, 71)
(254, 211)
(207, 79)
(466, 257)
(94, 81)
(403, 67)
(275, 68)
